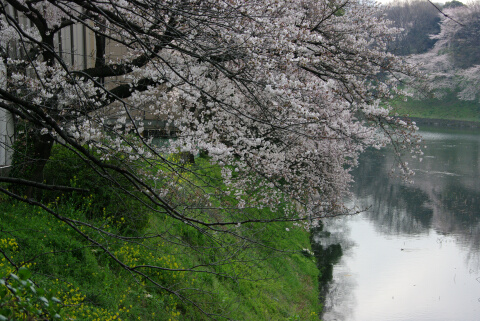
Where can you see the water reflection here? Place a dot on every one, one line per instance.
(428, 231)
(445, 195)
(332, 291)
(328, 251)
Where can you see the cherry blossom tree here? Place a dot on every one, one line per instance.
(453, 63)
(281, 95)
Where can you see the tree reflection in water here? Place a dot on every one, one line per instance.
(444, 199)
(445, 195)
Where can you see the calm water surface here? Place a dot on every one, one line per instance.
(415, 253)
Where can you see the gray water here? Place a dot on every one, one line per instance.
(414, 254)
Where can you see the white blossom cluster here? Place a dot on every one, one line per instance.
(283, 94)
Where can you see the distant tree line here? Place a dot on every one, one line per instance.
(421, 21)
(443, 40)
(418, 19)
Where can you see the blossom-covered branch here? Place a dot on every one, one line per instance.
(273, 101)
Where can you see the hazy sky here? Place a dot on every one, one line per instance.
(393, 1)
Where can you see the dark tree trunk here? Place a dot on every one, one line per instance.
(42, 148)
(100, 46)
(32, 152)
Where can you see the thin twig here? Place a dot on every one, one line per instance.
(444, 14)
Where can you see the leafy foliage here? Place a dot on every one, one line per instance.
(270, 284)
(21, 299)
(103, 195)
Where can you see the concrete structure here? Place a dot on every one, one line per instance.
(75, 44)
(7, 132)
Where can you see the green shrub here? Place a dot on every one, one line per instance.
(111, 197)
(21, 299)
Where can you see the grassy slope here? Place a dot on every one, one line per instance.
(450, 107)
(95, 288)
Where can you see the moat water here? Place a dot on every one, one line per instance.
(414, 254)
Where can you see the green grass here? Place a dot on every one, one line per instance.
(274, 281)
(449, 108)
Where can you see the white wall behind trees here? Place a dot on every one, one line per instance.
(6, 128)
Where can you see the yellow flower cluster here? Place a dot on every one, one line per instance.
(76, 307)
(136, 254)
(10, 246)
(172, 311)
(8, 243)
(133, 255)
